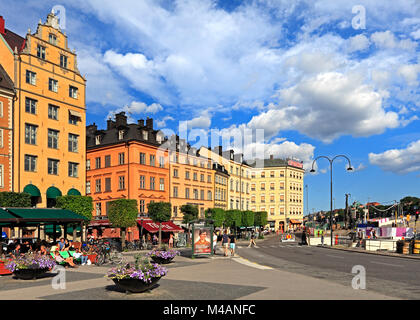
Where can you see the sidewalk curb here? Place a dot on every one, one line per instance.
(395, 255)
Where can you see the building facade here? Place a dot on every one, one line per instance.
(191, 178)
(221, 180)
(277, 188)
(49, 114)
(123, 162)
(7, 95)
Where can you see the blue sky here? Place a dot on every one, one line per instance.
(301, 70)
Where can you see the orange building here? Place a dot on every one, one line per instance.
(7, 95)
(50, 112)
(191, 178)
(123, 162)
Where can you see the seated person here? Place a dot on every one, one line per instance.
(60, 259)
(78, 254)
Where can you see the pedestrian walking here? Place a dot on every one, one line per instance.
(232, 241)
(252, 241)
(322, 237)
(225, 242)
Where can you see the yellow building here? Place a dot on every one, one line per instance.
(191, 179)
(221, 180)
(50, 113)
(277, 188)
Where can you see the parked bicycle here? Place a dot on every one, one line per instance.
(107, 254)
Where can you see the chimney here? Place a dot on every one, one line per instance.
(2, 24)
(120, 119)
(218, 150)
(110, 124)
(140, 123)
(149, 123)
(91, 129)
(271, 157)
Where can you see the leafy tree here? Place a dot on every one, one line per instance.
(260, 218)
(159, 212)
(217, 215)
(122, 213)
(190, 213)
(15, 199)
(81, 205)
(233, 218)
(247, 218)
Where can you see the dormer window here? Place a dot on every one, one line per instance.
(52, 39)
(121, 134)
(40, 52)
(63, 61)
(145, 135)
(97, 140)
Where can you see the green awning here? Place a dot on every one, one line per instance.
(32, 190)
(53, 192)
(39, 214)
(49, 228)
(73, 192)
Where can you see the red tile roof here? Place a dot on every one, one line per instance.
(14, 40)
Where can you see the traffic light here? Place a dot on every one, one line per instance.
(417, 215)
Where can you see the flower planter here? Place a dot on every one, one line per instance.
(161, 260)
(3, 270)
(135, 285)
(29, 274)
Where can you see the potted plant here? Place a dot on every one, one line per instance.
(163, 256)
(141, 276)
(30, 266)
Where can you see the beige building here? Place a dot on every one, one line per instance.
(277, 188)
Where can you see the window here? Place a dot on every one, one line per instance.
(142, 182)
(272, 174)
(271, 198)
(253, 187)
(272, 211)
(262, 198)
(142, 158)
(98, 185)
(121, 158)
(87, 187)
(253, 199)
(272, 186)
(263, 174)
(162, 162)
(73, 92)
(152, 160)
(63, 61)
(202, 194)
(281, 185)
(52, 39)
(281, 173)
(97, 139)
(195, 192)
(88, 164)
(145, 135)
(1, 109)
(262, 186)
(30, 105)
(30, 133)
(31, 77)
(98, 163)
(121, 183)
(162, 184)
(175, 173)
(175, 194)
(73, 119)
(209, 179)
(107, 161)
(202, 177)
(187, 175)
(40, 52)
(52, 139)
(53, 166)
(98, 209)
(30, 163)
(175, 211)
(73, 142)
(152, 183)
(107, 184)
(73, 169)
(1, 138)
(142, 206)
(120, 134)
(187, 193)
(237, 186)
(52, 85)
(52, 112)
(195, 176)
(209, 195)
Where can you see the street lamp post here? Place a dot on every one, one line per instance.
(350, 168)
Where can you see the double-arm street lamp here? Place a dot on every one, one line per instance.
(350, 168)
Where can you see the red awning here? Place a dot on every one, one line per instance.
(153, 227)
(293, 221)
(99, 223)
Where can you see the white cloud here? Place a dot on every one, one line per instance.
(387, 40)
(326, 107)
(400, 161)
(410, 73)
(137, 108)
(415, 34)
(358, 43)
(203, 121)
